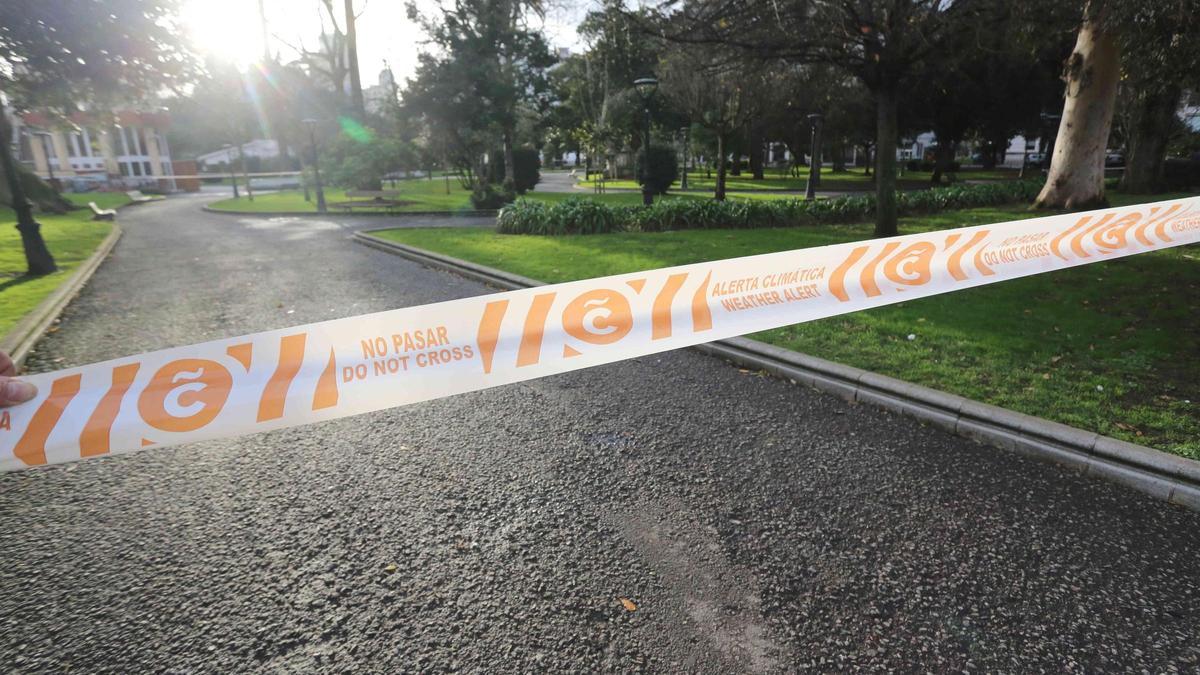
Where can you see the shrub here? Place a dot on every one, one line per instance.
(660, 171)
(487, 197)
(358, 163)
(526, 166)
(579, 215)
(575, 215)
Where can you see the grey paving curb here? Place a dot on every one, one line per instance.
(1170, 478)
(335, 214)
(19, 341)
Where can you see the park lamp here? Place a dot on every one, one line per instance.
(228, 147)
(645, 86)
(312, 140)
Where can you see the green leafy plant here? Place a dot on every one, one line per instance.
(488, 197)
(579, 215)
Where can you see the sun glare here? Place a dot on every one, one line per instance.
(226, 29)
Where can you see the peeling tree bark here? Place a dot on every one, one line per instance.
(1076, 178)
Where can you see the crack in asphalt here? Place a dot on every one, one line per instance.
(756, 526)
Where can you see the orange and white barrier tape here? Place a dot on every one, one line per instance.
(337, 368)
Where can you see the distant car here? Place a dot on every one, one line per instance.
(1114, 159)
(1036, 157)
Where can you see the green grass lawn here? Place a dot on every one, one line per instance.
(1108, 347)
(432, 196)
(854, 178)
(71, 237)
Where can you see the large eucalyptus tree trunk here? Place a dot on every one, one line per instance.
(1150, 129)
(1076, 178)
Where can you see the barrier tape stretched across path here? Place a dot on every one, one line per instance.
(337, 368)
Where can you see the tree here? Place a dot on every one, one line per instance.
(708, 86)
(1161, 59)
(595, 105)
(1151, 45)
(57, 53)
(216, 111)
(365, 159)
(487, 47)
(356, 92)
(880, 42)
(1076, 178)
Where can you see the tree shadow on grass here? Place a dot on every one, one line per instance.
(15, 281)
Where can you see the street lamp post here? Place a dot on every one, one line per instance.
(245, 171)
(312, 140)
(646, 86)
(232, 170)
(814, 165)
(687, 141)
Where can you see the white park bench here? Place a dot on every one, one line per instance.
(102, 214)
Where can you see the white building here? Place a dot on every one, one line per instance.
(263, 148)
(129, 147)
(377, 97)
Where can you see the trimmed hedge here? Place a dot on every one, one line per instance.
(579, 215)
(526, 167)
(663, 168)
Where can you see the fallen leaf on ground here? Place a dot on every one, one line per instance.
(628, 604)
(391, 567)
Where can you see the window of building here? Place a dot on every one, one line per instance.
(25, 148)
(48, 148)
(137, 168)
(121, 143)
(92, 143)
(146, 166)
(124, 168)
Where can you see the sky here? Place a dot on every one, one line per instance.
(230, 29)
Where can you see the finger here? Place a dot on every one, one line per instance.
(7, 367)
(13, 392)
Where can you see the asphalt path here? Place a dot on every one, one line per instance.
(752, 525)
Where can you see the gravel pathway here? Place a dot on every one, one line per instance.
(667, 514)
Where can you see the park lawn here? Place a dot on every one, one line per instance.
(1107, 347)
(431, 196)
(71, 238)
(853, 178)
(426, 195)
